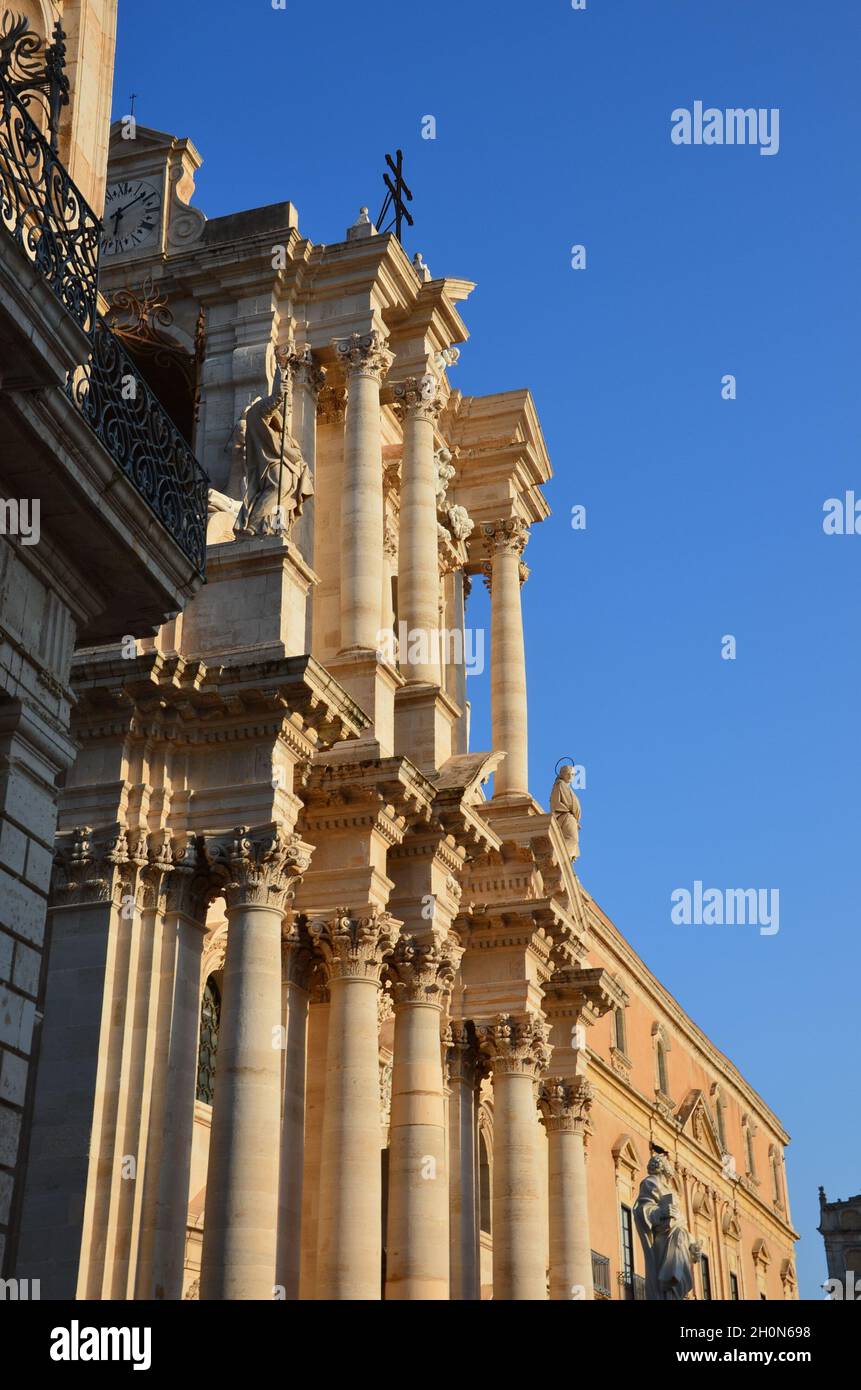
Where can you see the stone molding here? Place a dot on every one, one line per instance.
(423, 972)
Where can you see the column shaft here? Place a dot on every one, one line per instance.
(365, 361)
(565, 1104)
(418, 563)
(315, 1101)
(507, 658)
(295, 1025)
(240, 1223)
(463, 1167)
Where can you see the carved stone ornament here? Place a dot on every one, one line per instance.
(417, 396)
(259, 868)
(423, 972)
(508, 535)
(517, 1046)
(565, 1103)
(364, 354)
(355, 947)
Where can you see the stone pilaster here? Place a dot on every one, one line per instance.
(418, 403)
(260, 869)
(504, 543)
(417, 1263)
(518, 1053)
(349, 1215)
(565, 1103)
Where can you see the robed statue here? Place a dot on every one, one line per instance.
(277, 480)
(565, 810)
(669, 1252)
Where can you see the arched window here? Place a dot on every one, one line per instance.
(484, 1184)
(210, 1017)
(661, 1067)
(775, 1176)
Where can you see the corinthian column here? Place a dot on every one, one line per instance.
(505, 541)
(241, 1217)
(418, 405)
(349, 1213)
(565, 1103)
(417, 1256)
(365, 360)
(518, 1053)
(297, 964)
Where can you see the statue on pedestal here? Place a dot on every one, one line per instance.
(278, 481)
(669, 1252)
(565, 809)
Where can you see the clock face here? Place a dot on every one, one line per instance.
(132, 216)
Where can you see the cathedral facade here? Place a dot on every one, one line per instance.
(329, 1014)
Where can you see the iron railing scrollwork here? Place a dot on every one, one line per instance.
(44, 212)
(632, 1287)
(143, 441)
(601, 1274)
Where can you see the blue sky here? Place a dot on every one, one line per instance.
(704, 516)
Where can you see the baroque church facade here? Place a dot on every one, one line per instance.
(325, 1017)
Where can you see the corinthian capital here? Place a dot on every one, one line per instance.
(509, 535)
(516, 1046)
(565, 1103)
(364, 354)
(355, 947)
(298, 364)
(419, 397)
(423, 972)
(259, 867)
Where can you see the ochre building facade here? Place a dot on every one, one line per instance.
(327, 1017)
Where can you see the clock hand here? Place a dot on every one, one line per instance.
(132, 203)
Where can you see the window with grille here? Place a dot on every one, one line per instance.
(210, 1016)
(706, 1273)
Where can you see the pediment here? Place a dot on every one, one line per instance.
(695, 1119)
(730, 1224)
(625, 1153)
(761, 1253)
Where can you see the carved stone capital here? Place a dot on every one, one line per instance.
(364, 354)
(516, 1046)
(419, 397)
(507, 536)
(299, 366)
(423, 972)
(565, 1103)
(464, 1062)
(259, 867)
(332, 405)
(355, 947)
(298, 962)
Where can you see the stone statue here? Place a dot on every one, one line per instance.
(565, 810)
(265, 479)
(669, 1252)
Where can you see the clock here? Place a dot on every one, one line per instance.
(132, 216)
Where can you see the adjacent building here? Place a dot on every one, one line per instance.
(102, 505)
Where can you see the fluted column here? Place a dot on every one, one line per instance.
(504, 542)
(464, 1069)
(565, 1103)
(418, 404)
(297, 964)
(417, 1256)
(518, 1052)
(365, 361)
(349, 1217)
(241, 1216)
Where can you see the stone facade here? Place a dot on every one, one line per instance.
(840, 1228)
(439, 1068)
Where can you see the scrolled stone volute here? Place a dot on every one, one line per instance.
(355, 947)
(517, 1045)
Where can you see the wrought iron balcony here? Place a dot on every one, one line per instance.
(143, 441)
(601, 1275)
(632, 1288)
(41, 208)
